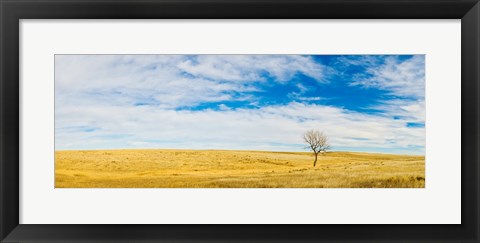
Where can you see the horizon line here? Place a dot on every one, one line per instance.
(251, 150)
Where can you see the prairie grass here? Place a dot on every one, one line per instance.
(162, 168)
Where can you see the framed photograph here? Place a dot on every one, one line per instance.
(175, 121)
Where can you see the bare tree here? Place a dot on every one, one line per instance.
(317, 142)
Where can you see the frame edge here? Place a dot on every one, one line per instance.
(9, 138)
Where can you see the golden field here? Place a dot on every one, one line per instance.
(161, 168)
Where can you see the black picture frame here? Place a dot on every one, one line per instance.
(12, 11)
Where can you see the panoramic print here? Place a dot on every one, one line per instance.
(240, 121)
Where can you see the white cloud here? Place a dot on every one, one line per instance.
(249, 67)
(402, 78)
(269, 128)
(172, 80)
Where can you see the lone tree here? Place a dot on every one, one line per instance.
(317, 142)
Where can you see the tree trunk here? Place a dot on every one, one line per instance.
(315, 162)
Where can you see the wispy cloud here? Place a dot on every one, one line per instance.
(404, 78)
(248, 68)
(174, 80)
(243, 128)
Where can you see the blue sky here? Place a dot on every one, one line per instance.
(368, 103)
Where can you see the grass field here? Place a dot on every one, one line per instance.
(234, 169)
